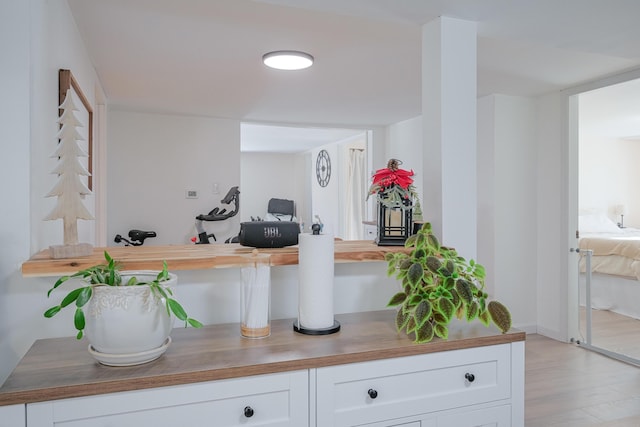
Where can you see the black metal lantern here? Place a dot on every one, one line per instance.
(395, 223)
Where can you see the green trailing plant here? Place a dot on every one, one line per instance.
(109, 275)
(438, 285)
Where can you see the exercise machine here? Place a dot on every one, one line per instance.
(217, 214)
(136, 237)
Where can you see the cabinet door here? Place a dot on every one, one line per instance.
(268, 400)
(499, 416)
(419, 421)
(402, 424)
(13, 416)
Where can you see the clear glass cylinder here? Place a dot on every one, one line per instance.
(255, 298)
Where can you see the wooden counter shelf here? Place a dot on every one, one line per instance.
(58, 368)
(196, 257)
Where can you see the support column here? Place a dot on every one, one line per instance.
(449, 104)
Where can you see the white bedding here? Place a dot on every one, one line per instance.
(615, 265)
(615, 253)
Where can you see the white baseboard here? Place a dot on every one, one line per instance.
(527, 328)
(550, 333)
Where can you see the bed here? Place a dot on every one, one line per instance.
(615, 265)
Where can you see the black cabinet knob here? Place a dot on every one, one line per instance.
(372, 393)
(248, 411)
(470, 377)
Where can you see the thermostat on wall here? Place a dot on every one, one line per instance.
(191, 194)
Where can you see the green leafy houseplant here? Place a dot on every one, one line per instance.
(438, 284)
(109, 274)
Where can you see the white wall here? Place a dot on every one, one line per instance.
(55, 43)
(154, 158)
(271, 175)
(449, 114)
(608, 176)
(487, 187)
(37, 37)
(405, 144)
(506, 182)
(213, 296)
(325, 201)
(15, 136)
(506, 202)
(551, 212)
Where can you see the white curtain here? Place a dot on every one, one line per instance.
(356, 195)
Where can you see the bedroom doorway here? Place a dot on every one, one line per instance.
(605, 130)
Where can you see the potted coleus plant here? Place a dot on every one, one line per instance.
(127, 316)
(439, 285)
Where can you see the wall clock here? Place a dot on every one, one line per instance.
(323, 168)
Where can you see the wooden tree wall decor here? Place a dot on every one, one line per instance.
(69, 188)
(67, 81)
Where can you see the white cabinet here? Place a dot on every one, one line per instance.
(365, 375)
(12, 416)
(473, 387)
(266, 400)
(498, 416)
(403, 423)
(468, 387)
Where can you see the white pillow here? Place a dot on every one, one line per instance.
(597, 223)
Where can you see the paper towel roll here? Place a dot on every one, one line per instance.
(315, 280)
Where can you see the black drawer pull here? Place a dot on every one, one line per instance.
(470, 377)
(372, 393)
(248, 411)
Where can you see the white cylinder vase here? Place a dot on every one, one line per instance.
(255, 297)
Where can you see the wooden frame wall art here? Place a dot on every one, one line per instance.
(67, 81)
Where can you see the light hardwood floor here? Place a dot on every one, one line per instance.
(566, 385)
(613, 332)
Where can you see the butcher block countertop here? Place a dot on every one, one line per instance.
(196, 257)
(59, 368)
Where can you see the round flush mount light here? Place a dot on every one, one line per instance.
(287, 60)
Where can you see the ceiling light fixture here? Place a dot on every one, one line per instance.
(287, 60)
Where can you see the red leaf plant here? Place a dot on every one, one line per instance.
(393, 186)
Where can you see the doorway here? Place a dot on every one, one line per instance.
(604, 135)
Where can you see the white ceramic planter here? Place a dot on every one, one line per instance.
(128, 325)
